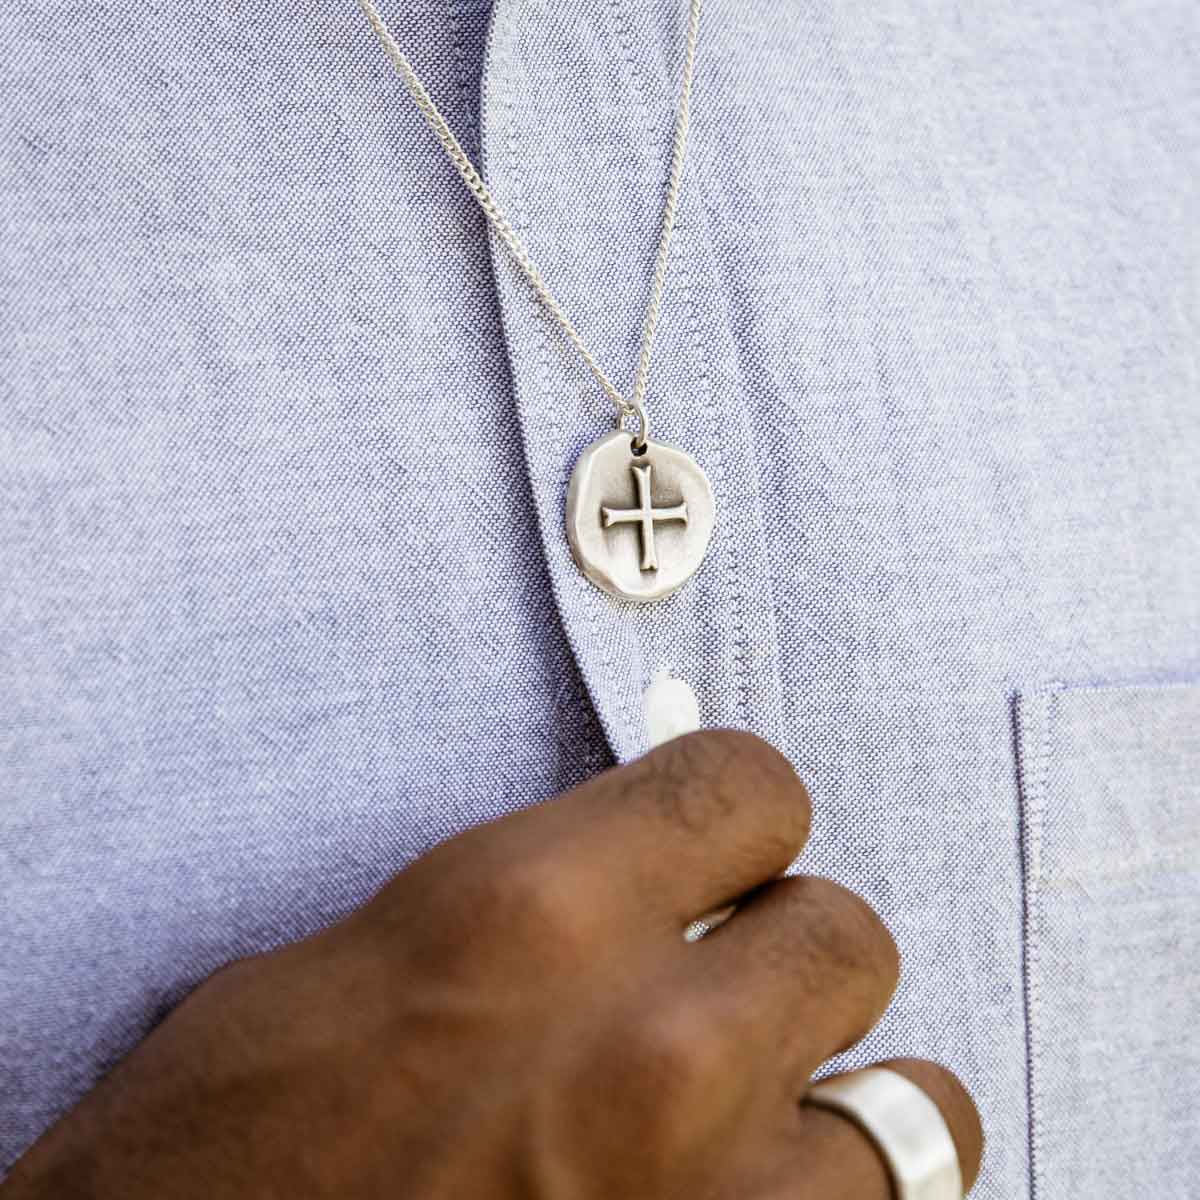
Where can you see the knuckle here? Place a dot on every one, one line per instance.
(735, 769)
(684, 780)
(680, 1061)
(851, 933)
(537, 902)
(680, 1050)
(661, 1071)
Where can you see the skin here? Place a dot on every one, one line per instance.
(518, 1017)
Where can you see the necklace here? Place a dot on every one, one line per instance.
(639, 512)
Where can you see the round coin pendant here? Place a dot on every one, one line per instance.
(638, 524)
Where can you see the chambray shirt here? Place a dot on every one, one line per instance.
(285, 594)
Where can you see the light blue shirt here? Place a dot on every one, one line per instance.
(285, 593)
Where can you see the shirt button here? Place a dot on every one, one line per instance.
(671, 709)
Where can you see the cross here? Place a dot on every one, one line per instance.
(647, 514)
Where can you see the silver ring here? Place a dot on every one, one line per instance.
(906, 1126)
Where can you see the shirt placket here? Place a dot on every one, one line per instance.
(577, 109)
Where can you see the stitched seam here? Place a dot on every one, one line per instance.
(624, 30)
(571, 696)
(555, 411)
(474, 121)
(769, 573)
(624, 35)
(729, 557)
(731, 560)
(1034, 730)
(699, 360)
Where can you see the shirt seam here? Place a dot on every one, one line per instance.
(1035, 717)
(698, 363)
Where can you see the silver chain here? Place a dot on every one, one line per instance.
(635, 406)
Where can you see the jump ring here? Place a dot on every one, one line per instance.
(636, 409)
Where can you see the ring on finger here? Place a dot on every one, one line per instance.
(905, 1125)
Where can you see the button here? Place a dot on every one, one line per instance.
(671, 709)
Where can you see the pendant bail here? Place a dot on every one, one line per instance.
(638, 411)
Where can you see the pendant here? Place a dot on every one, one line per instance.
(638, 524)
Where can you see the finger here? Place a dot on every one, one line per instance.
(694, 824)
(831, 1158)
(806, 967)
(699, 822)
(945, 1089)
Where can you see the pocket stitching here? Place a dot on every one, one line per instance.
(1035, 723)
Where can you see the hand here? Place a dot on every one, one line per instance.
(518, 1017)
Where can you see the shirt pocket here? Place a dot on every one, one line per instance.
(1110, 791)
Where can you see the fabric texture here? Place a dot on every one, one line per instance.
(284, 442)
(275, 618)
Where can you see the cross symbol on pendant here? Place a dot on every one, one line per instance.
(645, 513)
